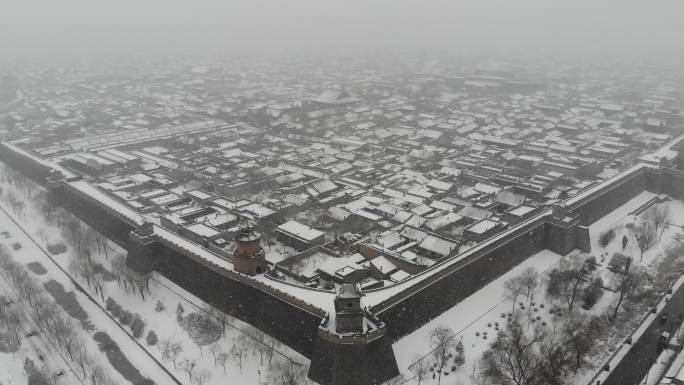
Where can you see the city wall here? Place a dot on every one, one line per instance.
(597, 205)
(412, 309)
(403, 313)
(365, 358)
(290, 324)
(29, 167)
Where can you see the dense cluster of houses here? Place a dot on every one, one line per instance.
(369, 180)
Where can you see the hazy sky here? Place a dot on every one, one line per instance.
(93, 26)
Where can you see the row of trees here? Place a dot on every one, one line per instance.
(53, 323)
(567, 283)
(543, 355)
(11, 327)
(83, 240)
(125, 317)
(282, 371)
(523, 285)
(171, 351)
(546, 355)
(653, 223)
(13, 180)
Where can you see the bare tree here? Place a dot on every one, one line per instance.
(270, 345)
(513, 357)
(644, 233)
(286, 372)
(222, 358)
(141, 281)
(513, 288)
(82, 358)
(579, 335)
(97, 374)
(554, 359)
(237, 352)
(42, 310)
(13, 323)
(659, 215)
(119, 268)
(224, 319)
(566, 281)
(215, 349)
(70, 338)
(42, 234)
(26, 286)
(188, 366)
(630, 286)
(201, 377)
(56, 328)
(528, 280)
(170, 350)
(74, 231)
(98, 283)
(16, 204)
(442, 341)
(420, 369)
(476, 376)
(102, 243)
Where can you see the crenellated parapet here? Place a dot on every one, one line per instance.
(352, 345)
(562, 230)
(142, 249)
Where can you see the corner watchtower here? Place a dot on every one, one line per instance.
(348, 311)
(249, 257)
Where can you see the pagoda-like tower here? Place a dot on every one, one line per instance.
(249, 257)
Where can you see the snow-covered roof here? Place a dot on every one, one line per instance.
(202, 230)
(300, 230)
(482, 226)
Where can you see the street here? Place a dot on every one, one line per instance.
(102, 321)
(643, 353)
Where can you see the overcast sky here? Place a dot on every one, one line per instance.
(198, 26)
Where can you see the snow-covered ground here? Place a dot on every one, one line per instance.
(37, 348)
(618, 220)
(12, 372)
(470, 316)
(476, 313)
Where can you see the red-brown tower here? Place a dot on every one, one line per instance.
(249, 257)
